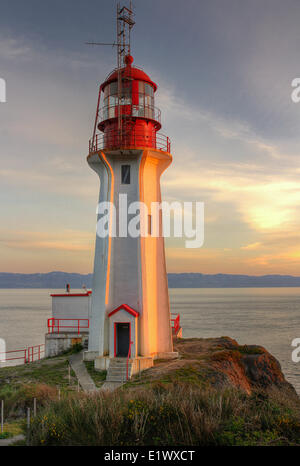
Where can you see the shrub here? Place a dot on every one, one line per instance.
(179, 415)
(17, 399)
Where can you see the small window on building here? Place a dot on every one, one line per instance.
(125, 174)
(149, 225)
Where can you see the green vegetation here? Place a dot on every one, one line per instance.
(183, 414)
(19, 385)
(76, 348)
(97, 376)
(216, 393)
(10, 429)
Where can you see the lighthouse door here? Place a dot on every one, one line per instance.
(122, 339)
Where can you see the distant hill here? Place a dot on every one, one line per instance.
(54, 280)
(220, 280)
(50, 280)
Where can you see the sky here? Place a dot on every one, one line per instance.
(224, 70)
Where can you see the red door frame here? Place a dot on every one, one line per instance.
(115, 334)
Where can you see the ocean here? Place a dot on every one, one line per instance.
(269, 317)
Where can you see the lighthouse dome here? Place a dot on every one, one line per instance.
(129, 72)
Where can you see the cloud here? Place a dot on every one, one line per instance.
(251, 247)
(14, 48)
(176, 108)
(266, 202)
(64, 240)
(246, 175)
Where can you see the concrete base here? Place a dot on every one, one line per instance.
(140, 364)
(90, 355)
(171, 355)
(57, 343)
(102, 363)
(137, 364)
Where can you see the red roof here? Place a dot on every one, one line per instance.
(88, 293)
(130, 72)
(126, 308)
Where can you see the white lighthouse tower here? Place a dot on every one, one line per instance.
(130, 315)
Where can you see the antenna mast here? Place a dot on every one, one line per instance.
(125, 23)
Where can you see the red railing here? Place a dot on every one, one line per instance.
(34, 352)
(27, 355)
(128, 356)
(175, 322)
(130, 140)
(55, 325)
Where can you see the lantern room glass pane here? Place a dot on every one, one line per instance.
(148, 89)
(126, 93)
(141, 87)
(113, 88)
(105, 113)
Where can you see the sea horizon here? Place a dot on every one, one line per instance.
(266, 317)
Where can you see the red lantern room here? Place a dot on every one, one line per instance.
(128, 117)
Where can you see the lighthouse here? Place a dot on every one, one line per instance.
(130, 312)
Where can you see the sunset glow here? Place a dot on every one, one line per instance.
(235, 135)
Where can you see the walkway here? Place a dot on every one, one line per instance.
(10, 441)
(84, 378)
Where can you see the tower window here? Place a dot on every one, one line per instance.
(125, 172)
(149, 225)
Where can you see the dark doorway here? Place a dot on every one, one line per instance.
(122, 340)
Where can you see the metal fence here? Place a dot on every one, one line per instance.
(25, 355)
(77, 325)
(131, 139)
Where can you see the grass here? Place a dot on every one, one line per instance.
(175, 403)
(97, 376)
(178, 415)
(11, 429)
(52, 372)
(19, 385)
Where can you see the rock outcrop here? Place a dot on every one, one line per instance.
(221, 362)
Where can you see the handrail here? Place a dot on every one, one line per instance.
(28, 354)
(54, 323)
(130, 139)
(129, 354)
(175, 322)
